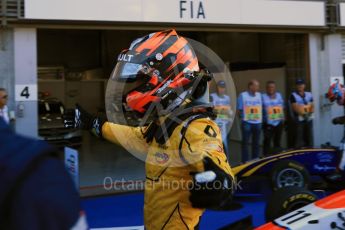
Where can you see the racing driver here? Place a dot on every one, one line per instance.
(158, 108)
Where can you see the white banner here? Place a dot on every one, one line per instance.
(72, 164)
(243, 12)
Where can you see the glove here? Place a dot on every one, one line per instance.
(69, 118)
(212, 188)
(339, 120)
(80, 118)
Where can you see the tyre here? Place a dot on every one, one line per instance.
(289, 173)
(286, 200)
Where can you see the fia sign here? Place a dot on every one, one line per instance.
(192, 9)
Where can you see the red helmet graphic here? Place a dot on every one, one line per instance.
(153, 76)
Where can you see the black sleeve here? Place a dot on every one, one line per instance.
(292, 99)
(339, 120)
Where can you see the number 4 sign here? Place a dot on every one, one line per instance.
(26, 92)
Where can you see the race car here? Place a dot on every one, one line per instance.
(298, 167)
(326, 213)
(51, 125)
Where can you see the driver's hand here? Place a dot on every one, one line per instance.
(212, 188)
(69, 118)
(80, 118)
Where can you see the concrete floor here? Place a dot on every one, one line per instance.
(101, 162)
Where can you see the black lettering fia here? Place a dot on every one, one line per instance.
(193, 9)
(201, 11)
(182, 8)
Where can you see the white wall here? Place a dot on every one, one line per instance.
(7, 64)
(25, 72)
(325, 62)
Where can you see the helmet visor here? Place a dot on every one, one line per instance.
(128, 75)
(125, 71)
(130, 67)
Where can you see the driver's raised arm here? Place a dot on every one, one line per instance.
(132, 138)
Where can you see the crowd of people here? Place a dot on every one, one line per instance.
(266, 113)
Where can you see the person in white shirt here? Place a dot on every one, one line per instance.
(273, 118)
(221, 103)
(301, 105)
(249, 105)
(3, 105)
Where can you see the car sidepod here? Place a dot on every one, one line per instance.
(327, 213)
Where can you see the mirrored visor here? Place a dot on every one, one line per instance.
(126, 71)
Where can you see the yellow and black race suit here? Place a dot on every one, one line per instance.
(169, 167)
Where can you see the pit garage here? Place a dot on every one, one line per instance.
(74, 66)
(53, 57)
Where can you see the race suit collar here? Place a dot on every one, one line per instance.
(162, 131)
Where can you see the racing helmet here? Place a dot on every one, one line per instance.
(336, 92)
(152, 77)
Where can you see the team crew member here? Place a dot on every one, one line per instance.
(273, 111)
(36, 191)
(221, 103)
(3, 106)
(250, 109)
(176, 136)
(336, 92)
(302, 109)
